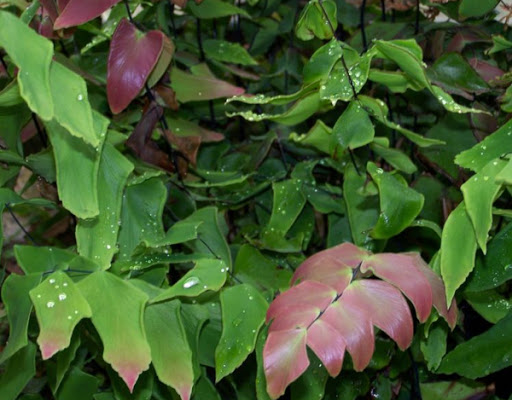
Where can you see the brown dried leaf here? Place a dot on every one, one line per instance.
(186, 145)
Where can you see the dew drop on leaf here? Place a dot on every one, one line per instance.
(192, 281)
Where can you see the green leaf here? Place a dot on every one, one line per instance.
(252, 267)
(222, 50)
(72, 108)
(78, 385)
(141, 215)
(458, 248)
(210, 240)
(506, 100)
(434, 346)
(77, 170)
(319, 137)
(476, 8)
(394, 157)
(274, 100)
(10, 95)
(449, 104)
(312, 21)
(32, 54)
(243, 314)
(207, 274)
(311, 384)
(59, 308)
(19, 370)
(18, 307)
(322, 61)
(499, 44)
(496, 267)
(353, 128)
(378, 110)
(453, 390)
(205, 389)
(482, 354)
(96, 237)
(118, 315)
(479, 194)
(492, 147)
(362, 210)
(63, 362)
(396, 81)
(170, 351)
(399, 204)
(489, 304)
(287, 204)
(209, 9)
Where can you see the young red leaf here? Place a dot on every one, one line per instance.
(76, 12)
(284, 359)
(306, 294)
(131, 59)
(384, 306)
(328, 344)
(299, 316)
(355, 328)
(401, 270)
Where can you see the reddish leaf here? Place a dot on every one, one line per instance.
(187, 145)
(284, 359)
(328, 344)
(356, 330)
(168, 96)
(306, 294)
(50, 8)
(295, 317)
(487, 71)
(142, 145)
(77, 12)
(401, 270)
(385, 306)
(131, 59)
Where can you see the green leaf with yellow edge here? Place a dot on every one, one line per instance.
(77, 168)
(353, 128)
(243, 314)
(59, 307)
(141, 215)
(458, 248)
(18, 307)
(399, 204)
(19, 370)
(207, 274)
(72, 108)
(480, 192)
(118, 316)
(482, 354)
(96, 238)
(492, 147)
(170, 350)
(32, 54)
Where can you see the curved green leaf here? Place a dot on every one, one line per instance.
(19, 370)
(222, 50)
(353, 128)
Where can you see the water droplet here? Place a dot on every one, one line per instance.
(380, 171)
(80, 97)
(192, 281)
(108, 247)
(38, 296)
(62, 296)
(50, 304)
(65, 284)
(52, 281)
(69, 317)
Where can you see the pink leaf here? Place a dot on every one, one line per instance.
(306, 294)
(328, 345)
(355, 328)
(295, 317)
(401, 270)
(50, 8)
(325, 267)
(285, 359)
(439, 295)
(384, 306)
(131, 59)
(77, 12)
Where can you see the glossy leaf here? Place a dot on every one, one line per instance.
(313, 21)
(396, 158)
(399, 204)
(458, 247)
(131, 59)
(489, 304)
(287, 205)
(59, 308)
(34, 63)
(18, 307)
(77, 12)
(96, 237)
(170, 351)
(243, 314)
(482, 354)
(479, 194)
(475, 8)
(353, 128)
(117, 306)
(227, 52)
(487, 150)
(322, 61)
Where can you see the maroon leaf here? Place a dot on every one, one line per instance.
(284, 359)
(402, 271)
(187, 145)
(132, 57)
(487, 71)
(328, 344)
(76, 12)
(50, 8)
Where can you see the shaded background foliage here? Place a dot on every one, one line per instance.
(201, 209)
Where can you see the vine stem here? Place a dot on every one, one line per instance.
(9, 209)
